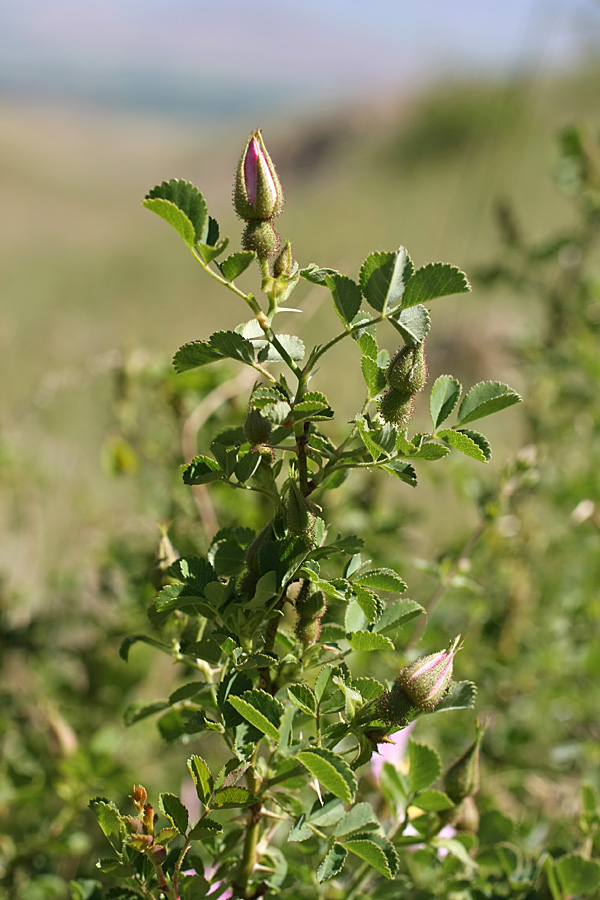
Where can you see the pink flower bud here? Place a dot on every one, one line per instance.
(257, 193)
(426, 681)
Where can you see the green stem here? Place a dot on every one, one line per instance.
(178, 866)
(248, 860)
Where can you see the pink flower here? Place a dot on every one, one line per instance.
(392, 750)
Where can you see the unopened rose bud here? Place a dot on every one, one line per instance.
(258, 193)
(407, 370)
(426, 681)
(462, 778)
(257, 429)
(396, 407)
(284, 264)
(299, 512)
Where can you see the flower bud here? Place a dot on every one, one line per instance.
(396, 407)
(261, 237)
(257, 429)
(139, 795)
(426, 681)
(284, 263)
(462, 778)
(257, 193)
(299, 512)
(407, 370)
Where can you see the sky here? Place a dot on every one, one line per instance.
(217, 56)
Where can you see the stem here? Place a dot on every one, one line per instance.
(178, 866)
(248, 860)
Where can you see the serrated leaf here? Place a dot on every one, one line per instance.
(346, 295)
(444, 396)
(480, 439)
(201, 777)
(292, 344)
(432, 801)
(375, 850)
(369, 602)
(322, 681)
(201, 470)
(369, 688)
(360, 818)
(461, 441)
(303, 697)
(374, 376)
(193, 355)
(382, 579)
(232, 345)
(577, 875)
(383, 277)
(413, 324)
(172, 807)
(315, 274)
(432, 281)
(230, 797)
(462, 695)
(209, 252)
(402, 470)
(237, 263)
(261, 710)
(368, 345)
(181, 205)
(109, 820)
(398, 614)
(331, 771)
(206, 827)
(332, 864)
(135, 712)
(369, 640)
(485, 398)
(455, 848)
(299, 831)
(425, 766)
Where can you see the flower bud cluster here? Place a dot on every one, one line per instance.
(258, 198)
(419, 687)
(406, 376)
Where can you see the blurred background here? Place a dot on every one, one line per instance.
(390, 123)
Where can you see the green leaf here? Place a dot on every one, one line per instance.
(495, 827)
(369, 640)
(332, 864)
(461, 441)
(368, 345)
(381, 580)
(303, 697)
(201, 777)
(181, 205)
(402, 470)
(201, 470)
(577, 875)
(135, 712)
(425, 766)
(261, 710)
(360, 818)
(331, 771)
(232, 345)
(172, 807)
(413, 324)
(432, 281)
(109, 820)
(368, 688)
(193, 355)
(462, 695)
(209, 252)
(110, 866)
(369, 602)
(433, 801)
(230, 797)
(143, 638)
(237, 263)
(398, 614)
(480, 439)
(316, 275)
(485, 398)
(346, 296)
(444, 396)
(322, 681)
(206, 827)
(455, 848)
(374, 376)
(383, 277)
(292, 344)
(375, 850)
